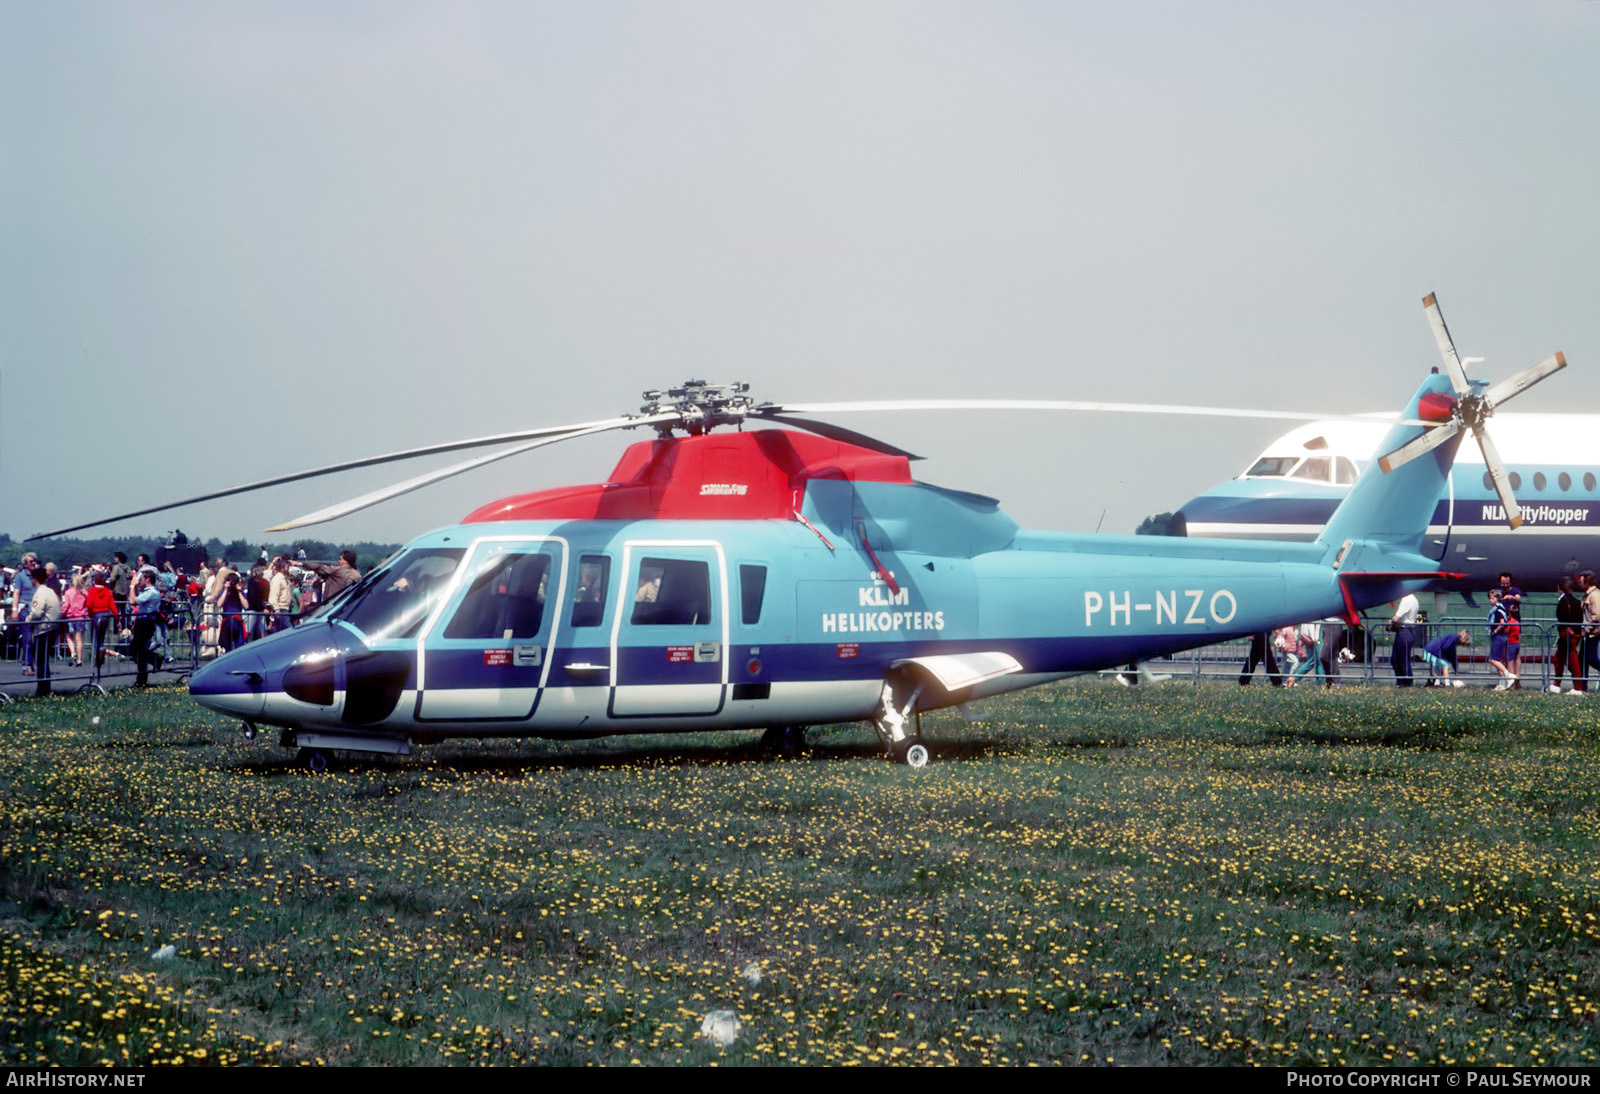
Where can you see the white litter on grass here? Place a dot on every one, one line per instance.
(165, 953)
(95, 720)
(721, 1026)
(752, 973)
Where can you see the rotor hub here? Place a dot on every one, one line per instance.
(700, 406)
(1472, 410)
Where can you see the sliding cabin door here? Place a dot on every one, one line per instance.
(485, 657)
(669, 636)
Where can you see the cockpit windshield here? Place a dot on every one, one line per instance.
(1317, 469)
(1271, 467)
(1328, 469)
(392, 601)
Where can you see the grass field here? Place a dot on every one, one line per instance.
(1181, 875)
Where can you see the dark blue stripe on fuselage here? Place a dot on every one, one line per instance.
(821, 662)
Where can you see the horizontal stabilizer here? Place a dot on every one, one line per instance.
(1352, 610)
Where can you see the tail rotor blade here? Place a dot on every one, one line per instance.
(1497, 473)
(1409, 451)
(1515, 385)
(1447, 347)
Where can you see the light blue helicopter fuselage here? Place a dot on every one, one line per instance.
(833, 590)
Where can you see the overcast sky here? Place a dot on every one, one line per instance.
(243, 239)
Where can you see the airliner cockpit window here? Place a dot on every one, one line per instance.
(1271, 467)
(392, 602)
(1318, 469)
(1347, 472)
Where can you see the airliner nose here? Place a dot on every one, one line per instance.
(234, 683)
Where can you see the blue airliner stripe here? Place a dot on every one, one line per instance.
(1214, 510)
(1473, 512)
(1488, 513)
(1298, 511)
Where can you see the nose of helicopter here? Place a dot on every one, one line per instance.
(234, 683)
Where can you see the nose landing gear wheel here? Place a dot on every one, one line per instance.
(787, 741)
(313, 760)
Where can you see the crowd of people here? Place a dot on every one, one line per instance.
(117, 608)
(1320, 647)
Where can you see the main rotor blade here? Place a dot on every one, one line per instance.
(1447, 347)
(1418, 446)
(552, 432)
(835, 433)
(1497, 473)
(355, 505)
(1069, 404)
(1513, 386)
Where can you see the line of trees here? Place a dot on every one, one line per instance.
(1158, 525)
(69, 551)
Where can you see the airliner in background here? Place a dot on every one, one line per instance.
(1289, 492)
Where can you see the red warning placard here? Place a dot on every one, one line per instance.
(849, 649)
(676, 654)
(497, 657)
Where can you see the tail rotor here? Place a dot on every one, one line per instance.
(1474, 403)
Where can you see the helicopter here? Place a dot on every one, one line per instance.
(732, 578)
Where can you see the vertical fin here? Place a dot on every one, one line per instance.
(1396, 506)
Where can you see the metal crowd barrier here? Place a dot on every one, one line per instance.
(188, 634)
(1371, 649)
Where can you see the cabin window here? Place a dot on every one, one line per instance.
(392, 601)
(1316, 468)
(505, 600)
(589, 602)
(1347, 472)
(672, 593)
(1588, 481)
(752, 588)
(1538, 480)
(1564, 481)
(1516, 481)
(1271, 467)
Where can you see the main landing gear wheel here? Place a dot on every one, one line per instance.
(912, 752)
(899, 724)
(313, 760)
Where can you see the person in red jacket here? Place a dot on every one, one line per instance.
(102, 608)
